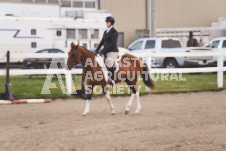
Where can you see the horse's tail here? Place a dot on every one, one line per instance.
(146, 77)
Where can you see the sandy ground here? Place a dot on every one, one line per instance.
(186, 121)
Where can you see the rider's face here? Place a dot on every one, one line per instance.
(108, 24)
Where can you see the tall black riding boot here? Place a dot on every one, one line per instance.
(111, 72)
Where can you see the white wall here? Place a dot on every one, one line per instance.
(29, 10)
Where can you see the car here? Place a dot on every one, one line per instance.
(43, 63)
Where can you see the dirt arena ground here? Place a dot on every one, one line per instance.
(185, 121)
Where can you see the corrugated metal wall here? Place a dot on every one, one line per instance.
(188, 13)
(129, 16)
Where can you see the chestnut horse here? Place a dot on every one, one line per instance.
(129, 65)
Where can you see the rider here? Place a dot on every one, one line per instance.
(110, 50)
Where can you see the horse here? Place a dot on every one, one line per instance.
(128, 64)
(192, 42)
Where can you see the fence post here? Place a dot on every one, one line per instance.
(220, 72)
(68, 79)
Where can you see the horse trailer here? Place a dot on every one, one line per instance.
(29, 34)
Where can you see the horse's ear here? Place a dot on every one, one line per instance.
(72, 45)
(76, 47)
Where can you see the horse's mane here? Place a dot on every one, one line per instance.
(90, 52)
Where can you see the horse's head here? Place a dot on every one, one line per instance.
(74, 56)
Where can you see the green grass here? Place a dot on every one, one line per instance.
(193, 82)
(25, 87)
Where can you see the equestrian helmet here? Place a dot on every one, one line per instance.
(110, 19)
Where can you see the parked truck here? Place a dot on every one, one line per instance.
(217, 44)
(168, 45)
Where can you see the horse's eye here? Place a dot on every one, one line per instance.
(73, 55)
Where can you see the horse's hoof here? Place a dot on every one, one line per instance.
(127, 112)
(84, 114)
(137, 111)
(113, 113)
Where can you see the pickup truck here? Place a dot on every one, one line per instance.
(216, 45)
(167, 45)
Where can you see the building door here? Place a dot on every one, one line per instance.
(120, 41)
(59, 36)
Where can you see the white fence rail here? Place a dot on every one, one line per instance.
(219, 69)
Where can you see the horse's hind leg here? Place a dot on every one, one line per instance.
(138, 102)
(135, 94)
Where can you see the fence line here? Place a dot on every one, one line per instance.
(219, 69)
(151, 54)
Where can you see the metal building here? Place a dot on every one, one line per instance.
(132, 15)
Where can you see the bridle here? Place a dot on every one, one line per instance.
(74, 56)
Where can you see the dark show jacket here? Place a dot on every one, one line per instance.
(109, 41)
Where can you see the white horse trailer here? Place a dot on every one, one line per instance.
(204, 33)
(28, 35)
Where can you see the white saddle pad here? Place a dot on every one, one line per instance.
(100, 61)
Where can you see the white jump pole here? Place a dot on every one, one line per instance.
(68, 79)
(220, 72)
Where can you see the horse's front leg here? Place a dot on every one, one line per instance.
(88, 93)
(108, 97)
(129, 103)
(86, 111)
